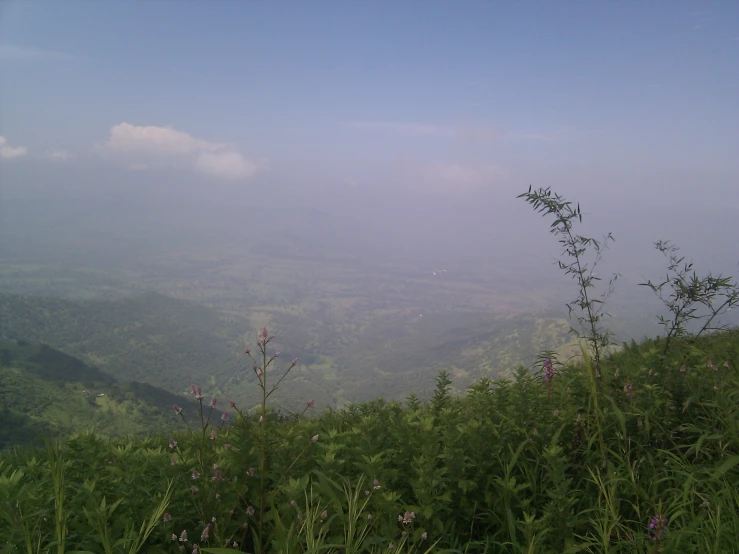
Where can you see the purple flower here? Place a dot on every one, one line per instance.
(548, 371)
(225, 416)
(213, 402)
(172, 443)
(177, 409)
(232, 404)
(657, 527)
(195, 475)
(311, 402)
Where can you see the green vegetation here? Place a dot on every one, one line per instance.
(558, 461)
(44, 392)
(634, 450)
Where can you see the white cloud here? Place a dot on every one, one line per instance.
(10, 52)
(151, 144)
(59, 155)
(8, 152)
(229, 165)
(451, 177)
(427, 129)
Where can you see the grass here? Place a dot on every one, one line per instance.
(582, 464)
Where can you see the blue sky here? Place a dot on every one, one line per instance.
(603, 97)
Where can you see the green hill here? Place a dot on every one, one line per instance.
(44, 391)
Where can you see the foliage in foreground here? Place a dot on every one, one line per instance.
(561, 461)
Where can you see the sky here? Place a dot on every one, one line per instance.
(437, 111)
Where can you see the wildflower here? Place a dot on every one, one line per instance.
(173, 461)
(174, 537)
(294, 362)
(247, 350)
(263, 334)
(213, 402)
(366, 493)
(261, 419)
(177, 409)
(193, 389)
(199, 394)
(369, 517)
(250, 510)
(424, 536)
(259, 373)
(726, 364)
(404, 534)
(227, 446)
(218, 476)
(711, 365)
(548, 371)
(205, 534)
(377, 485)
(390, 546)
(230, 513)
(251, 472)
(705, 503)
(314, 439)
(225, 416)
(167, 517)
(183, 536)
(683, 370)
(235, 544)
(218, 497)
(195, 475)
(407, 517)
(651, 371)
(232, 404)
(311, 402)
(629, 390)
(324, 514)
(193, 490)
(555, 413)
(615, 374)
(657, 527)
(293, 503)
(277, 355)
(213, 435)
(195, 549)
(172, 443)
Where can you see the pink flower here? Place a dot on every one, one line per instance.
(227, 446)
(314, 439)
(174, 537)
(250, 509)
(195, 475)
(213, 402)
(224, 416)
(311, 402)
(183, 536)
(324, 514)
(263, 334)
(377, 485)
(213, 435)
(218, 476)
(251, 472)
(261, 419)
(193, 389)
(424, 536)
(177, 409)
(294, 362)
(167, 517)
(193, 489)
(205, 533)
(232, 404)
(247, 350)
(172, 443)
(173, 461)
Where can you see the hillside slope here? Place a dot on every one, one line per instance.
(46, 392)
